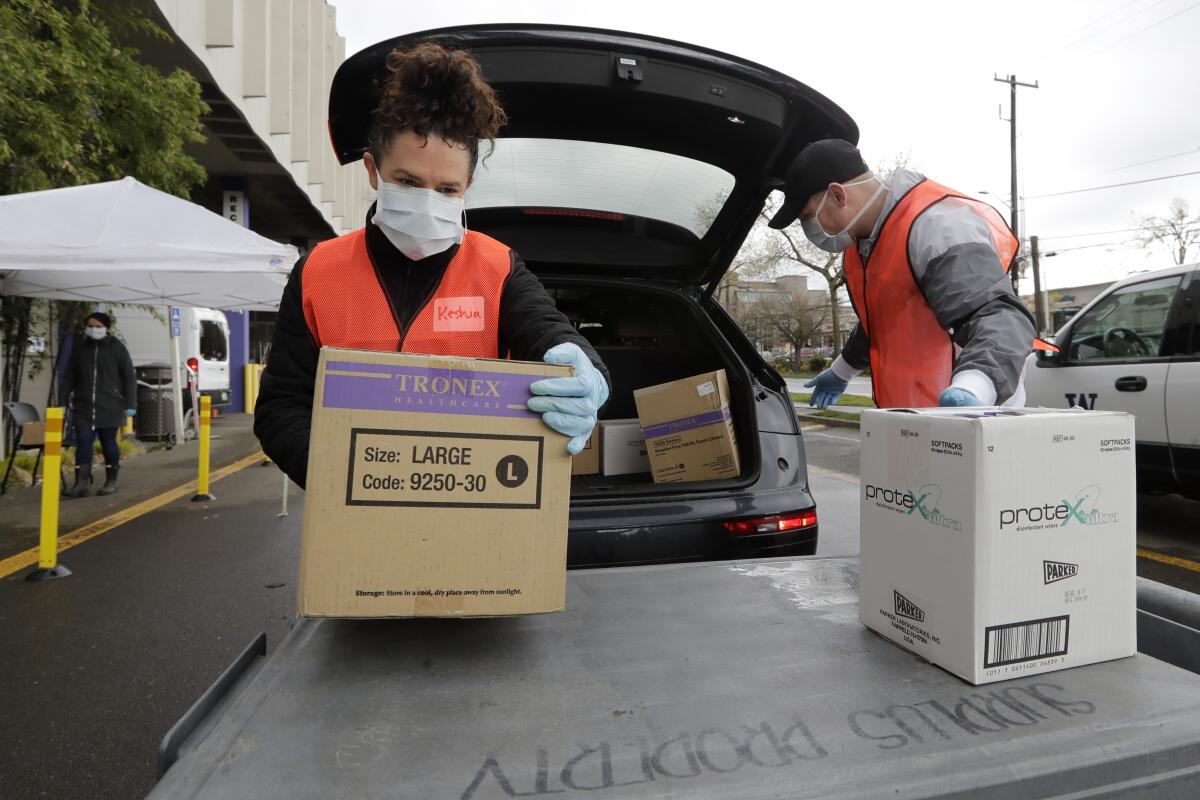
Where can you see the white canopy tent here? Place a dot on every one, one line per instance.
(123, 242)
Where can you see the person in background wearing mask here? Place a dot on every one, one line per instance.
(927, 271)
(100, 386)
(377, 288)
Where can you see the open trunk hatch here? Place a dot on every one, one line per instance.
(624, 154)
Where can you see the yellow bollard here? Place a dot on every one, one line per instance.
(48, 567)
(205, 435)
(253, 379)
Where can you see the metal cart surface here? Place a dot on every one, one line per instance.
(717, 680)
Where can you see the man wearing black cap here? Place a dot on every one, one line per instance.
(926, 268)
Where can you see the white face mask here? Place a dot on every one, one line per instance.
(837, 242)
(96, 333)
(419, 222)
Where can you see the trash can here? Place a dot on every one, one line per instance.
(155, 416)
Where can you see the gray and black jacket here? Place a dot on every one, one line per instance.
(959, 272)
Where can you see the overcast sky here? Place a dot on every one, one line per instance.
(1119, 86)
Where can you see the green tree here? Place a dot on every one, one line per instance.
(76, 107)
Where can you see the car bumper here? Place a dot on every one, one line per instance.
(703, 539)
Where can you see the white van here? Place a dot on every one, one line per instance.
(203, 344)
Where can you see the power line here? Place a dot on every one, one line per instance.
(1113, 185)
(1193, 151)
(1058, 250)
(1141, 31)
(1105, 233)
(1085, 37)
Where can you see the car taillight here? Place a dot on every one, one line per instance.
(193, 364)
(780, 524)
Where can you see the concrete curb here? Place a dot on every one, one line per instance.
(832, 422)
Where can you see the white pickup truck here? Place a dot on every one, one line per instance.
(1136, 348)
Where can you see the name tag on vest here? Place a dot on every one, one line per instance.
(458, 314)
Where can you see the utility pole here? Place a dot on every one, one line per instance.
(1039, 310)
(1013, 83)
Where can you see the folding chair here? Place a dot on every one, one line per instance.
(22, 413)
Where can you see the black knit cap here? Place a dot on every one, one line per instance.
(818, 165)
(102, 318)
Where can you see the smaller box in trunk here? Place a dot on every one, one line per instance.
(432, 490)
(622, 447)
(587, 462)
(999, 543)
(689, 430)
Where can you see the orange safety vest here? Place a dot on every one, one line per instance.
(345, 304)
(912, 355)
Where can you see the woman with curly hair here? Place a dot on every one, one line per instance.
(413, 278)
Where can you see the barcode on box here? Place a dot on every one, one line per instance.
(1025, 641)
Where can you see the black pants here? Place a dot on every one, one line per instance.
(85, 436)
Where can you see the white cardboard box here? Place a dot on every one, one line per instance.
(622, 447)
(999, 543)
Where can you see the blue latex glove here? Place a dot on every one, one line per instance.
(827, 388)
(570, 405)
(955, 396)
(131, 412)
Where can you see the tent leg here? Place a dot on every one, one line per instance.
(283, 511)
(176, 380)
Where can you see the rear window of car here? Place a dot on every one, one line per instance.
(212, 341)
(606, 178)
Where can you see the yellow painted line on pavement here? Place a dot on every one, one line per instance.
(78, 536)
(829, 473)
(1174, 561)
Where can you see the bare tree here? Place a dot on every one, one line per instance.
(752, 262)
(1178, 230)
(768, 253)
(795, 318)
(791, 247)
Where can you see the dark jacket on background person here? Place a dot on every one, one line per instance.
(99, 382)
(529, 325)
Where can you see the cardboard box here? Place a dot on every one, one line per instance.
(588, 460)
(689, 430)
(33, 433)
(622, 447)
(432, 491)
(999, 543)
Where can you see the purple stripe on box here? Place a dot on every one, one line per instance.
(429, 390)
(687, 423)
(350, 366)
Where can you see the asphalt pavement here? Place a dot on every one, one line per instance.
(97, 666)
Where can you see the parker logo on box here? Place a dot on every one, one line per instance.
(907, 608)
(458, 314)
(1056, 571)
